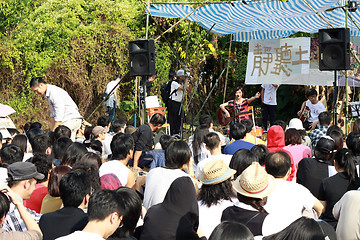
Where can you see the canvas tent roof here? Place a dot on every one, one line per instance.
(266, 19)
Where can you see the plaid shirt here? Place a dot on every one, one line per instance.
(14, 222)
(317, 134)
(242, 107)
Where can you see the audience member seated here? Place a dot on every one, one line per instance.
(297, 124)
(238, 132)
(337, 135)
(159, 154)
(73, 153)
(325, 121)
(252, 187)
(41, 144)
(241, 160)
(52, 200)
(105, 122)
(231, 231)
(43, 165)
(312, 171)
(75, 191)
(62, 131)
(33, 231)
(22, 142)
(197, 145)
(215, 194)
(276, 142)
(105, 215)
(260, 151)
(158, 180)
(334, 187)
(177, 217)
(213, 144)
(22, 180)
(118, 126)
(59, 149)
(288, 199)
(9, 154)
(353, 143)
(249, 137)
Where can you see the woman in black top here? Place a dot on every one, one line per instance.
(333, 188)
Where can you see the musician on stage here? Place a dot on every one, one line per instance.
(315, 108)
(239, 104)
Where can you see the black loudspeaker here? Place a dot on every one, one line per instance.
(142, 57)
(334, 49)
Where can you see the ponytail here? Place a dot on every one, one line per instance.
(345, 159)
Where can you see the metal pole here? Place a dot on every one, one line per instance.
(335, 98)
(227, 72)
(346, 75)
(147, 19)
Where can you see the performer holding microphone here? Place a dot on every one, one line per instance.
(238, 105)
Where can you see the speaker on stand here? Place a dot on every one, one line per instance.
(142, 57)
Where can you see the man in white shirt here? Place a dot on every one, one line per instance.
(112, 102)
(174, 104)
(289, 199)
(268, 99)
(105, 213)
(63, 110)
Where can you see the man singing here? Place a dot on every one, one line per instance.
(63, 110)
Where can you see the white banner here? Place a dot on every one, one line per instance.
(285, 61)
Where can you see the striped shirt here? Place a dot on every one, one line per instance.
(242, 107)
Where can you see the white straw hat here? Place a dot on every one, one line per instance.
(215, 171)
(254, 182)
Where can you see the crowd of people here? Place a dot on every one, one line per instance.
(112, 181)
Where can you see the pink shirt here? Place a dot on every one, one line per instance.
(298, 152)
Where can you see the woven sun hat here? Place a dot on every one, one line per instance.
(296, 123)
(254, 182)
(215, 171)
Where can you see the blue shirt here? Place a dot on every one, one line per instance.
(237, 145)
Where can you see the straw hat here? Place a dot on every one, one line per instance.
(215, 171)
(254, 182)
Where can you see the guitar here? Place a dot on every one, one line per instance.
(305, 114)
(223, 120)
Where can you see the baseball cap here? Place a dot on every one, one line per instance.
(98, 130)
(326, 144)
(180, 72)
(22, 171)
(296, 123)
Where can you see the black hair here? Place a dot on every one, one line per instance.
(353, 142)
(73, 153)
(43, 164)
(33, 132)
(88, 132)
(132, 204)
(206, 119)
(96, 145)
(130, 129)
(103, 203)
(302, 228)
(212, 140)
(311, 92)
(325, 118)
(231, 231)
(345, 159)
(248, 124)
(4, 204)
(74, 186)
(260, 151)
(157, 119)
(278, 164)
(11, 153)
(241, 160)
(237, 89)
(13, 132)
(92, 169)
(292, 137)
(60, 146)
(338, 138)
(322, 155)
(35, 81)
(40, 143)
(281, 123)
(256, 203)
(199, 137)
(121, 145)
(212, 194)
(356, 126)
(54, 179)
(62, 131)
(238, 131)
(177, 154)
(103, 121)
(165, 141)
(20, 141)
(118, 124)
(92, 158)
(35, 125)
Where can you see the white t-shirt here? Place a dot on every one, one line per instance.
(269, 94)
(77, 235)
(289, 199)
(210, 217)
(200, 166)
(106, 143)
(110, 86)
(116, 167)
(158, 182)
(177, 95)
(315, 110)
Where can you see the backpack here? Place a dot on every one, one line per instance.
(165, 91)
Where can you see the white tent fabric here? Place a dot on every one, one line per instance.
(268, 19)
